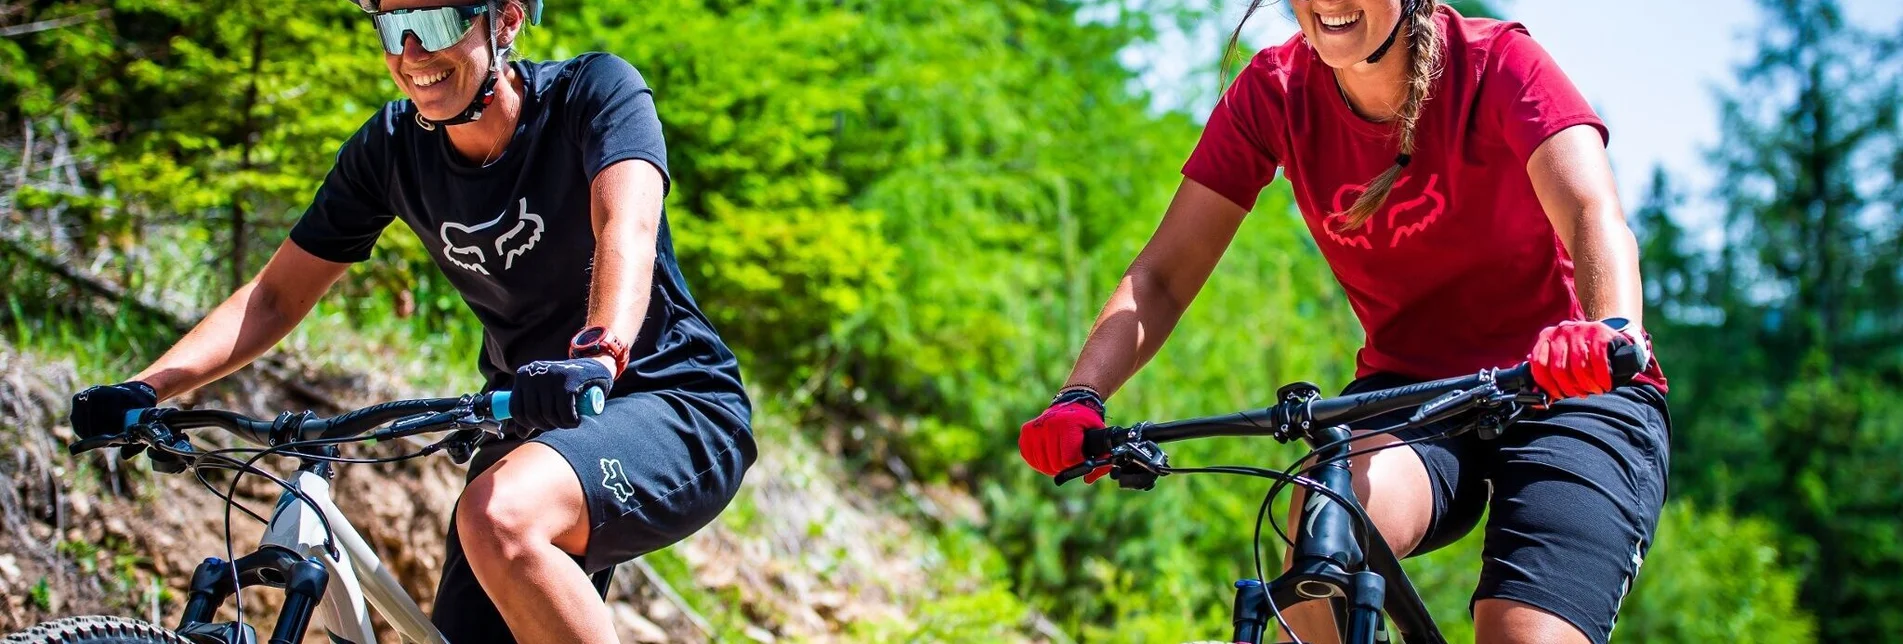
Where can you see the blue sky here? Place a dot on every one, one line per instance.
(1650, 68)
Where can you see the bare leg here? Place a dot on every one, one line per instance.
(519, 523)
(1504, 621)
(1393, 485)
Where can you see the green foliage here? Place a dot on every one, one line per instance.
(906, 215)
(1783, 345)
(41, 595)
(1714, 578)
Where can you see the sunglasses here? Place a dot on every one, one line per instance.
(436, 28)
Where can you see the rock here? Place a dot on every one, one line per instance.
(663, 610)
(117, 527)
(635, 628)
(9, 570)
(758, 634)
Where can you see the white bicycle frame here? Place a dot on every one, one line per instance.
(354, 577)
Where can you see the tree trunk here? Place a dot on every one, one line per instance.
(249, 135)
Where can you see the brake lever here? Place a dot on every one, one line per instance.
(1081, 469)
(1135, 465)
(1139, 466)
(84, 445)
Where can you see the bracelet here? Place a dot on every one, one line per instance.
(1080, 387)
(1085, 395)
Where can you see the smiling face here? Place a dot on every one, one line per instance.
(442, 83)
(1346, 32)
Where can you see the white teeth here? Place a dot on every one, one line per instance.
(426, 81)
(1342, 20)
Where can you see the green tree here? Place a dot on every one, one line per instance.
(1783, 345)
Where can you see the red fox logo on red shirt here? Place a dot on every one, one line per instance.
(1398, 219)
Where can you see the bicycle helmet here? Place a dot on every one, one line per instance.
(534, 8)
(487, 92)
(1408, 7)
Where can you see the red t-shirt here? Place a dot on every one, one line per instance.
(1460, 269)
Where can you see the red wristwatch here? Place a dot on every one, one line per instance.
(597, 341)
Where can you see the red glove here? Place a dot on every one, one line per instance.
(1572, 359)
(1054, 441)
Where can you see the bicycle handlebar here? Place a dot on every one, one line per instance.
(1433, 398)
(428, 412)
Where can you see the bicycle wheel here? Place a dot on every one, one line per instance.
(95, 629)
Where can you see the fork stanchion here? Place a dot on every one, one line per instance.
(1251, 620)
(301, 593)
(1364, 608)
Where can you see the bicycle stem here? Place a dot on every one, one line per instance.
(1328, 549)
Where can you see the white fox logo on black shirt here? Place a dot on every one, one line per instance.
(463, 245)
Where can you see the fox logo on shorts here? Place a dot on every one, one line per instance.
(616, 480)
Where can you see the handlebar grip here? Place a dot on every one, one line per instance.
(81, 446)
(132, 418)
(499, 405)
(591, 403)
(1096, 442)
(1626, 360)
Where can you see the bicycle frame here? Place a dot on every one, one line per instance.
(292, 555)
(1359, 579)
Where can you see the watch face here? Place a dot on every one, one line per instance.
(1617, 324)
(588, 336)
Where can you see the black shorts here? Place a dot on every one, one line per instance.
(655, 468)
(1573, 494)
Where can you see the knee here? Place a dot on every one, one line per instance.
(492, 522)
(1394, 493)
(1504, 621)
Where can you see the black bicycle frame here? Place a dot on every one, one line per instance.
(1334, 559)
(1338, 554)
(1358, 578)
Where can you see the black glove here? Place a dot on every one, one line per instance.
(101, 411)
(547, 393)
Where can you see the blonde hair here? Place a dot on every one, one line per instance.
(1424, 53)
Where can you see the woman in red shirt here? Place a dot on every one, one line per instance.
(1458, 185)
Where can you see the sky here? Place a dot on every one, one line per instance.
(1649, 68)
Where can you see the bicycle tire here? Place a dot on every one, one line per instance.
(95, 629)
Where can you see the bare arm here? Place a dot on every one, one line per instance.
(626, 207)
(1573, 179)
(247, 324)
(1158, 287)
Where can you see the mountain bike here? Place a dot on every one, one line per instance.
(1338, 555)
(309, 549)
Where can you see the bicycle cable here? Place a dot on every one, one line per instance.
(1282, 478)
(197, 461)
(222, 459)
(330, 535)
(1297, 478)
(1275, 490)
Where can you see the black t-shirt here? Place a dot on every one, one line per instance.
(515, 237)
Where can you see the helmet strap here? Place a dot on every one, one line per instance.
(1408, 7)
(484, 95)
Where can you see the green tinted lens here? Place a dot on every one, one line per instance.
(436, 28)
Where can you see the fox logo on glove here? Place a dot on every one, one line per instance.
(465, 247)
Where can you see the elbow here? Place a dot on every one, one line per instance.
(1154, 286)
(272, 306)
